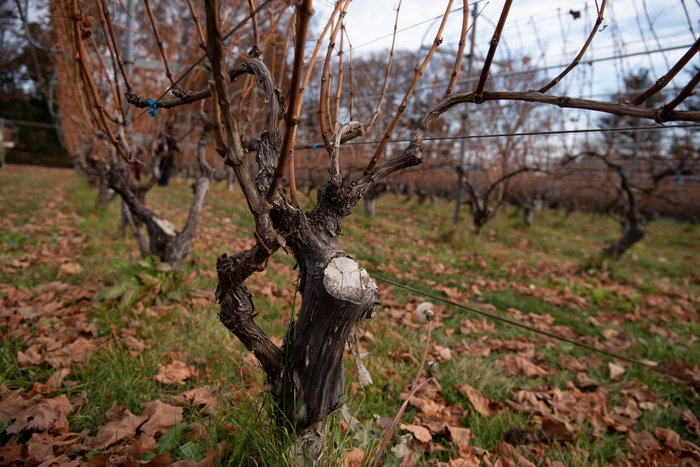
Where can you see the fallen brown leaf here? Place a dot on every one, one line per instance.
(12, 454)
(670, 437)
(481, 403)
(460, 436)
(583, 382)
(471, 461)
(208, 461)
(420, 433)
(76, 352)
(691, 422)
(46, 415)
(13, 403)
(354, 458)
(515, 365)
(133, 343)
(29, 358)
(643, 441)
(161, 417)
(175, 372)
(203, 396)
(557, 428)
(119, 429)
(616, 371)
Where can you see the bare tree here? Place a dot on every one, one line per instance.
(306, 375)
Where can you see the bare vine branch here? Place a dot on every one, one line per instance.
(233, 152)
(577, 60)
(159, 41)
(419, 72)
(388, 69)
(197, 25)
(665, 79)
(256, 33)
(492, 49)
(291, 120)
(460, 50)
(666, 113)
(324, 93)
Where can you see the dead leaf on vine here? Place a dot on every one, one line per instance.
(175, 372)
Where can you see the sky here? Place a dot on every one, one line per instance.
(534, 26)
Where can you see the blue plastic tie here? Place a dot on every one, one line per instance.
(623, 171)
(318, 146)
(476, 169)
(152, 107)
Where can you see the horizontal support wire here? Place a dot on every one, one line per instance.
(507, 135)
(558, 337)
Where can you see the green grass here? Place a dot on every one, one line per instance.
(45, 210)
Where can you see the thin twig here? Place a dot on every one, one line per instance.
(352, 83)
(687, 17)
(425, 353)
(388, 69)
(92, 88)
(324, 93)
(664, 80)
(256, 33)
(460, 50)
(419, 72)
(376, 461)
(339, 85)
(686, 92)
(291, 118)
(115, 45)
(285, 50)
(159, 41)
(116, 91)
(197, 25)
(312, 60)
(578, 58)
(492, 49)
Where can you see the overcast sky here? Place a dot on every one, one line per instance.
(534, 26)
